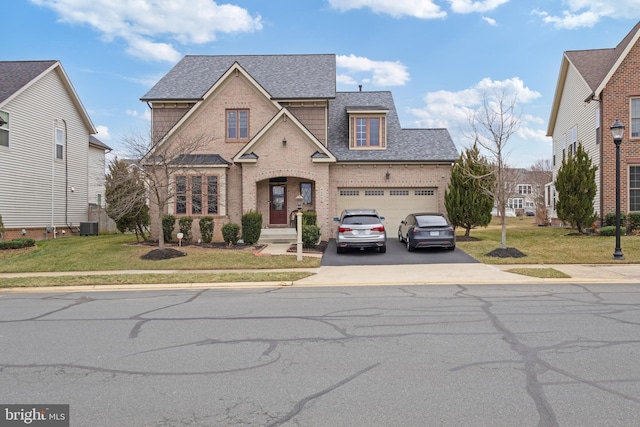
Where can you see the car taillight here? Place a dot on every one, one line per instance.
(380, 229)
(343, 229)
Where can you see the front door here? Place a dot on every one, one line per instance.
(278, 205)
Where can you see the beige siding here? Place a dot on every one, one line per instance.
(575, 112)
(96, 175)
(35, 188)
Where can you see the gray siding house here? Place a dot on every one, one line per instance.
(47, 173)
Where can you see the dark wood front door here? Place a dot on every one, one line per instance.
(278, 204)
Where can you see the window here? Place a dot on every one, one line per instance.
(349, 192)
(306, 192)
(4, 128)
(634, 188)
(374, 192)
(515, 203)
(59, 136)
(573, 140)
(367, 132)
(524, 188)
(237, 125)
(398, 192)
(598, 133)
(635, 117)
(424, 192)
(196, 195)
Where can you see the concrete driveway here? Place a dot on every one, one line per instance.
(396, 254)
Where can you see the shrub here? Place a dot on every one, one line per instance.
(206, 228)
(168, 224)
(310, 236)
(251, 227)
(230, 233)
(610, 219)
(23, 242)
(633, 222)
(309, 218)
(185, 223)
(609, 230)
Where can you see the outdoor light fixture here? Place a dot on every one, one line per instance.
(617, 130)
(299, 200)
(387, 175)
(284, 141)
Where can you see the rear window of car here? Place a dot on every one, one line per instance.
(361, 220)
(431, 221)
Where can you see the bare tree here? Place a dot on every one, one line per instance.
(159, 159)
(540, 174)
(492, 125)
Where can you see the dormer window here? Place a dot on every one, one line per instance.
(367, 130)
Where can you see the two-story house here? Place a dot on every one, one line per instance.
(596, 87)
(276, 128)
(51, 169)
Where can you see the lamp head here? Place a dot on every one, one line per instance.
(617, 130)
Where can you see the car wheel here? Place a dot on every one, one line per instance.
(382, 249)
(340, 250)
(452, 248)
(409, 247)
(400, 239)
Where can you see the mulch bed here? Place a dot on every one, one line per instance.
(506, 253)
(173, 251)
(319, 249)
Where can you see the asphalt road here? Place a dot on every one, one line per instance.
(554, 355)
(396, 254)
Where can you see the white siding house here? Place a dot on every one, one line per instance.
(44, 150)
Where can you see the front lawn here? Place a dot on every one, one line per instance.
(547, 245)
(120, 252)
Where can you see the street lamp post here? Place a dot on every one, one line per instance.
(617, 130)
(299, 200)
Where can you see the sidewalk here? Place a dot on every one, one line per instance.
(416, 274)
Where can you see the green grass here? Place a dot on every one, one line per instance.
(542, 273)
(120, 252)
(547, 245)
(151, 278)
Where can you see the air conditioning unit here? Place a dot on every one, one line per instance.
(88, 228)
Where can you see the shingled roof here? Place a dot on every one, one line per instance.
(14, 75)
(282, 76)
(403, 145)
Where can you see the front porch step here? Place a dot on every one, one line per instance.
(278, 235)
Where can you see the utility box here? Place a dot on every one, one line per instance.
(88, 228)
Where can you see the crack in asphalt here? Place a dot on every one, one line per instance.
(299, 406)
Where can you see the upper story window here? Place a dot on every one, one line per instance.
(573, 140)
(4, 128)
(367, 131)
(524, 188)
(598, 133)
(59, 140)
(635, 117)
(237, 125)
(196, 195)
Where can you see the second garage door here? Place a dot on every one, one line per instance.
(392, 203)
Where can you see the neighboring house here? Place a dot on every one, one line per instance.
(526, 191)
(276, 129)
(50, 169)
(596, 87)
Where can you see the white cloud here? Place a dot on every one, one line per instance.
(490, 21)
(379, 73)
(470, 6)
(423, 9)
(145, 115)
(103, 133)
(587, 13)
(142, 23)
(452, 110)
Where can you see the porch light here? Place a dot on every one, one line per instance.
(284, 142)
(617, 130)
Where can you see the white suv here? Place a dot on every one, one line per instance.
(360, 228)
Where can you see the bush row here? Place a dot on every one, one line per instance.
(23, 242)
(630, 222)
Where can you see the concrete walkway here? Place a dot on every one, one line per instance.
(431, 274)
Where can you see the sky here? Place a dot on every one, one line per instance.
(439, 58)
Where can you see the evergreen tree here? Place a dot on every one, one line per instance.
(467, 200)
(576, 187)
(125, 195)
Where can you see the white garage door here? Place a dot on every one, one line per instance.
(394, 204)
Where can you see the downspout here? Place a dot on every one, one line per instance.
(53, 176)
(66, 175)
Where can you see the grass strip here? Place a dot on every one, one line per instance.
(541, 273)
